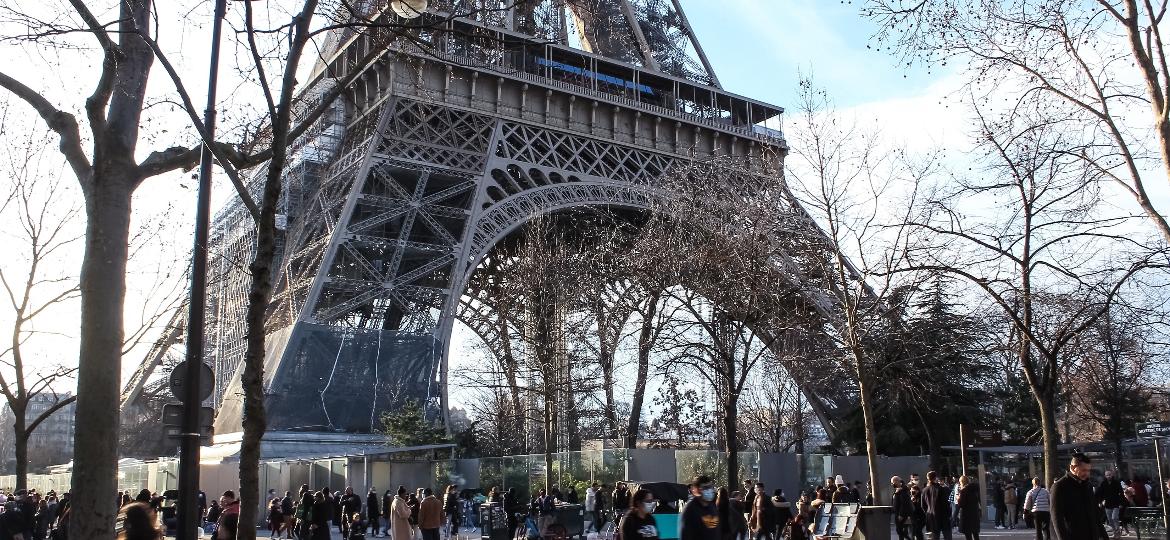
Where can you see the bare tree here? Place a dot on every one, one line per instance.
(1116, 370)
(106, 165)
(33, 287)
(775, 417)
(846, 180)
(1052, 262)
(1096, 65)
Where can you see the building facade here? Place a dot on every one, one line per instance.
(51, 442)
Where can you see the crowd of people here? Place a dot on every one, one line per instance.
(312, 515)
(1071, 508)
(28, 514)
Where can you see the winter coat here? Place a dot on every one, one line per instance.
(1109, 492)
(1009, 494)
(400, 520)
(1075, 515)
(1036, 500)
(936, 504)
(970, 509)
(430, 513)
(373, 510)
(902, 505)
(763, 516)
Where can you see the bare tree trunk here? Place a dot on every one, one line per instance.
(20, 450)
(930, 440)
(611, 420)
(549, 440)
(645, 344)
(517, 410)
(1048, 429)
(103, 292)
(866, 392)
(260, 292)
(730, 440)
(572, 416)
(252, 376)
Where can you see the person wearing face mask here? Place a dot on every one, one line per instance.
(639, 522)
(699, 519)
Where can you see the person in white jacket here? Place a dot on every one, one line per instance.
(1036, 502)
(591, 509)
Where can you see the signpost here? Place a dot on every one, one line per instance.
(1157, 431)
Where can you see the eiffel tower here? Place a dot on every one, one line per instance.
(451, 139)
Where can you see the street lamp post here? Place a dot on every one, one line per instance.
(188, 513)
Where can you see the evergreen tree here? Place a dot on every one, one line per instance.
(933, 372)
(409, 426)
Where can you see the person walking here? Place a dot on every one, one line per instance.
(400, 516)
(304, 514)
(762, 520)
(1010, 500)
(1000, 506)
(902, 509)
(387, 502)
(970, 508)
(732, 524)
(430, 515)
(1110, 496)
(351, 503)
(591, 506)
(917, 514)
(373, 510)
(783, 512)
(639, 522)
(511, 509)
(699, 518)
(450, 510)
(321, 515)
(275, 517)
(936, 504)
(1036, 504)
(288, 514)
(1075, 515)
(413, 501)
(621, 501)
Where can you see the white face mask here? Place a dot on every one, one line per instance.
(649, 506)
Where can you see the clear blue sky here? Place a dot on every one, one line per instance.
(758, 47)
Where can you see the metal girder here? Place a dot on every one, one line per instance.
(438, 161)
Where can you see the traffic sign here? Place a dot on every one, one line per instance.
(172, 415)
(172, 419)
(178, 381)
(1153, 430)
(174, 432)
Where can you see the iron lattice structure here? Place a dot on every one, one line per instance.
(453, 136)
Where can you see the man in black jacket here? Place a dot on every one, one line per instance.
(1075, 514)
(936, 504)
(903, 508)
(373, 511)
(1110, 496)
